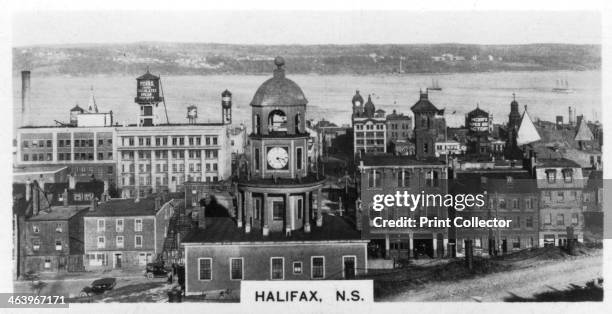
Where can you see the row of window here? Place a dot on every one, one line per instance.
(369, 134)
(163, 180)
(119, 223)
(59, 228)
(551, 175)
(277, 267)
(560, 219)
(514, 203)
(163, 140)
(370, 142)
(395, 126)
(176, 154)
(66, 156)
(370, 126)
(119, 242)
(562, 196)
(36, 245)
(66, 143)
(432, 178)
(163, 168)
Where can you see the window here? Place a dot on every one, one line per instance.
(35, 245)
(119, 225)
(138, 241)
(236, 269)
(47, 263)
(567, 175)
(548, 219)
(502, 203)
(403, 178)
(528, 204)
(138, 225)
(58, 245)
(317, 267)
(529, 222)
(119, 242)
(515, 203)
(101, 242)
(374, 179)
(516, 243)
(298, 159)
(101, 225)
(300, 208)
(205, 268)
(277, 268)
(256, 157)
(278, 210)
(574, 219)
(35, 229)
(297, 268)
(58, 228)
(560, 220)
(551, 175)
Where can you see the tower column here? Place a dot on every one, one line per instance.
(288, 214)
(319, 204)
(307, 215)
(239, 211)
(248, 210)
(266, 214)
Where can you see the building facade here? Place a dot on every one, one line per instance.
(387, 174)
(369, 127)
(125, 233)
(560, 183)
(429, 126)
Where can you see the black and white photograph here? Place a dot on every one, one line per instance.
(339, 158)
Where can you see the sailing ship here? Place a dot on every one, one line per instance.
(562, 87)
(435, 86)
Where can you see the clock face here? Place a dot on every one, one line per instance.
(278, 158)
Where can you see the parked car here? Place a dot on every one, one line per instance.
(99, 286)
(156, 270)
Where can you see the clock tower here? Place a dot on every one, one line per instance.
(277, 192)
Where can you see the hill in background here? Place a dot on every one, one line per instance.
(202, 58)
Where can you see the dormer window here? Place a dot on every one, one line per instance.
(509, 180)
(567, 175)
(551, 175)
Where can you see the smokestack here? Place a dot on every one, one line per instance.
(25, 98)
(571, 116)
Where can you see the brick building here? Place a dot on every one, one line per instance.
(387, 174)
(429, 126)
(510, 194)
(560, 183)
(125, 233)
(399, 129)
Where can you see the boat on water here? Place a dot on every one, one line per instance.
(435, 86)
(562, 87)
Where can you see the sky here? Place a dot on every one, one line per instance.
(306, 27)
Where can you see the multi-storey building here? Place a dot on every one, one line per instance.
(388, 174)
(399, 129)
(125, 233)
(279, 231)
(151, 159)
(560, 183)
(429, 124)
(86, 151)
(510, 194)
(369, 127)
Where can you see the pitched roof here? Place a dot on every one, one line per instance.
(224, 229)
(424, 105)
(124, 207)
(557, 162)
(584, 132)
(527, 132)
(58, 213)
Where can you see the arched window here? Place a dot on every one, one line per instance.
(277, 121)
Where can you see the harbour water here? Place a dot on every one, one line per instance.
(329, 96)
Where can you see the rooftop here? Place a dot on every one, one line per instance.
(393, 160)
(224, 230)
(58, 213)
(557, 162)
(124, 207)
(496, 181)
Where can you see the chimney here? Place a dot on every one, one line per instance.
(65, 197)
(28, 192)
(157, 203)
(35, 200)
(579, 119)
(94, 204)
(571, 116)
(25, 98)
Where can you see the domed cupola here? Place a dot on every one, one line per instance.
(357, 99)
(279, 105)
